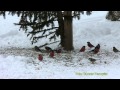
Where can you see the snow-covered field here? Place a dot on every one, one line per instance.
(19, 61)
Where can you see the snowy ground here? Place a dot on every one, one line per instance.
(18, 60)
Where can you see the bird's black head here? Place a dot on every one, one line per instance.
(35, 46)
(91, 59)
(98, 46)
(46, 47)
(40, 54)
(52, 50)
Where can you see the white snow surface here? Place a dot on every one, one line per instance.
(14, 64)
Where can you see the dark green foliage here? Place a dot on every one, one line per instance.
(40, 22)
(113, 15)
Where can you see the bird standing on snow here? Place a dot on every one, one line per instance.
(37, 49)
(115, 49)
(48, 49)
(82, 49)
(58, 51)
(96, 50)
(89, 45)
(51, 54)
(40, 57)
(92, 60)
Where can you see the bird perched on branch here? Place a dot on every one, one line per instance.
(90, 45)
(37, 49)
(96, 49)
(40, 57)
(115, 49)
(82, 49)
(92, 60)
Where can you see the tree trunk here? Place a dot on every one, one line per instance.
(61, 27)
(68, 31)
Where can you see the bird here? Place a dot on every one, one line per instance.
(48, 48)
(58, 51)
(96, 49)
(37, 49)
(52, 53)
(90, 45)
(115, 49)
(82, 49)
(40, 57)
(92, 60)
(98, 46)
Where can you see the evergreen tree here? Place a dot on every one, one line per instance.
(42, 24)
(113, 15)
